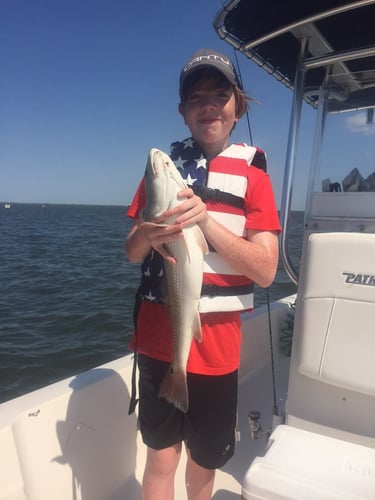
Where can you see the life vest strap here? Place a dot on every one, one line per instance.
(226, 291)
(209, 194)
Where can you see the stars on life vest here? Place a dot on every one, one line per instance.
(192, 165)
(149, 297)
(152, 272)
(190, 161)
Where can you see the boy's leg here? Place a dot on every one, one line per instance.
(158, 477)
(199, 481)
(161, 426)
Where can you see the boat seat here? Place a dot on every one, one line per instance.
(304, 465)
(326, 450)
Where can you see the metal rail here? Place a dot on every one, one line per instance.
(290, 162)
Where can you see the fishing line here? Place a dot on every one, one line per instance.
(247, 111)
(275, 407)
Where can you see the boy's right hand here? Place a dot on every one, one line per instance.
(158, 235)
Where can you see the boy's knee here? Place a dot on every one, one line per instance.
(164, 461)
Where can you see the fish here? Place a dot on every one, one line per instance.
(183, 278)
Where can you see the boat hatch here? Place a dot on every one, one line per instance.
(324, 51)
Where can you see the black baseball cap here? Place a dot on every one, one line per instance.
(208, 58)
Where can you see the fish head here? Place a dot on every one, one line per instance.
(163, 182)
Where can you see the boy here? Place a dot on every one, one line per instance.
(234, 207)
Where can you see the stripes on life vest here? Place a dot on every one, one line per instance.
(227, 173)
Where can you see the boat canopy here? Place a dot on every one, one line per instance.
(340, 39)
(325, 52)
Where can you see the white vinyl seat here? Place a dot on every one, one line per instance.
(304, 465)
(326, 449)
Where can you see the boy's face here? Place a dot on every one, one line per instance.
(209, 111)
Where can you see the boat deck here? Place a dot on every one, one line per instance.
(75, 440)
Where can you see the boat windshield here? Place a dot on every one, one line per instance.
(341, 190)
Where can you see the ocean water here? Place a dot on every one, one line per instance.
(67, 291)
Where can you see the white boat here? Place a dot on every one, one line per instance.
(75, 440)
(7, 205)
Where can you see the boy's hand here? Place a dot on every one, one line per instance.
(158, 235)
(191, 211)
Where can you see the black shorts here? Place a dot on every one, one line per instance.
(208, 428)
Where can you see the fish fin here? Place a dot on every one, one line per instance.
(174, 389)
(196, 327)
(186, 246)
(201, 240)
(152, 224)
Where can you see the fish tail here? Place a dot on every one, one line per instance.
(174, 389)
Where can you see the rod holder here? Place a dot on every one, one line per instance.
(255, 425)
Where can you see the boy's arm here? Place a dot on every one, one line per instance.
(256, 257)
(136, 245)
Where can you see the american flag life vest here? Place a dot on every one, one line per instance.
(223, 189)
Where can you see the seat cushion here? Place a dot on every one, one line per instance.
(303, 465)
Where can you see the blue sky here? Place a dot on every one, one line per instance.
(87, 87)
